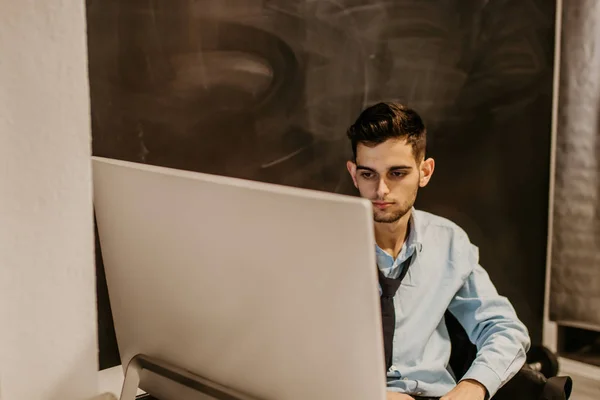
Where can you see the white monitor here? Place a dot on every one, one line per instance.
(268, 290)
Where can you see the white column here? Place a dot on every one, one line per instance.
(48, 345)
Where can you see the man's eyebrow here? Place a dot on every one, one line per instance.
(365, 168)
(392, 168)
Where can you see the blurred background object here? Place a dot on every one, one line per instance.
(575, 234)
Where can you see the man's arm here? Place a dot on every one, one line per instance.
(492, 324)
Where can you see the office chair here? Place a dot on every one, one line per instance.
(528, 384)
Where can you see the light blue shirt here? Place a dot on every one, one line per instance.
(445, 275)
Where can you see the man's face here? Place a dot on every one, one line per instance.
(389, 175)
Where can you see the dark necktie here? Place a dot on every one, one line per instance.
(389, 287)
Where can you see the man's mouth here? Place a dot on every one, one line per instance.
(382, 205)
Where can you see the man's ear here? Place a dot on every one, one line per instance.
(426, 171)
(352, 170)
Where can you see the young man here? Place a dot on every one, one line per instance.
(435, 268)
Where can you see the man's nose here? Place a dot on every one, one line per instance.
(382, 189)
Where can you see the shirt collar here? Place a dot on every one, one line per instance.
(413, 233)
(412, 241)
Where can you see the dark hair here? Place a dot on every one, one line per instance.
(384, 121)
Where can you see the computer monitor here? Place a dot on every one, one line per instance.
(266, 289)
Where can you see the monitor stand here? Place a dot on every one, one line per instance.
(139, 363)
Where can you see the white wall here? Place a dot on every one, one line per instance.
(48, 333)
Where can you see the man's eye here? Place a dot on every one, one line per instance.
(398, 174)
(367, 175)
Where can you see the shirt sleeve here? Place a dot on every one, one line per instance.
(491, 322)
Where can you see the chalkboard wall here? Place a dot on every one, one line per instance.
(265, 89)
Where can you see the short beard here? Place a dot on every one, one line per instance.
(395, 217)
(389, 219)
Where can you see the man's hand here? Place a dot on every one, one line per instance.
(466, 390)
(398, 396)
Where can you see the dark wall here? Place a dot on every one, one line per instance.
(264, 90)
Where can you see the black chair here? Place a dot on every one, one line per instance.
(527, 384)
